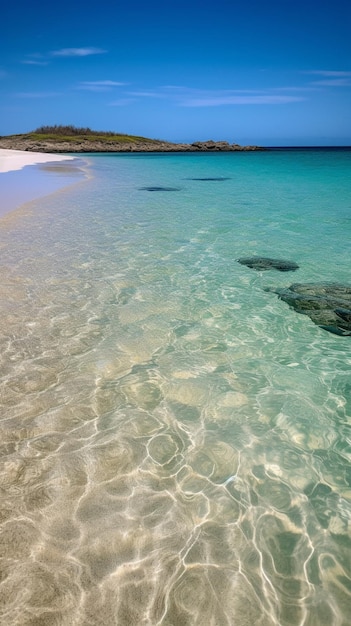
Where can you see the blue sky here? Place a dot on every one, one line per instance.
(268, 72)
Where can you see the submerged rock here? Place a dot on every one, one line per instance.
(264, 263)
(345, 314)
(212, 178)
(159, 189)
(327, 304)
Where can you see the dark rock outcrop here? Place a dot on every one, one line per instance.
(327, 304)
(261, 263)
(219, 146)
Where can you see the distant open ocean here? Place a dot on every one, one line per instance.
(175, 440)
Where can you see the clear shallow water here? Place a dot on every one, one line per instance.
(36, 181)
(175, 441)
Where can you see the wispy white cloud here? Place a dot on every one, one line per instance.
(187, 97)
(332, 73)
(216, 100)
(108, 83)
(121, 102)
(295, 88)
(332, 82)
(33, 62)
(99, 85)
(35, 58)
(331, 78)
(77, 52)
(148, 94)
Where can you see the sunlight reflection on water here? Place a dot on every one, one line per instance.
(175, 440)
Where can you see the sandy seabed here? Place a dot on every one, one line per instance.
(173, 441)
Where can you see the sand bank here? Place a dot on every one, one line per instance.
(17, 159)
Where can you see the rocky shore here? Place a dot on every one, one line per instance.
(93, 145)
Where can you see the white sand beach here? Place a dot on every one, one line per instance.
(17, 159)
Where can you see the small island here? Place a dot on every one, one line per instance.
(63, 139)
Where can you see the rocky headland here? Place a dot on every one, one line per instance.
(70, 139)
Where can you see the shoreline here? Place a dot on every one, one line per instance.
(28, 176)
(11, 160)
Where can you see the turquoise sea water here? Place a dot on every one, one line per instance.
(175, 440)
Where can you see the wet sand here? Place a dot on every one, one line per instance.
(25, 176)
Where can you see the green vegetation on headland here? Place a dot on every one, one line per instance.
(73, 134)
(74, 131)
(60, 138)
